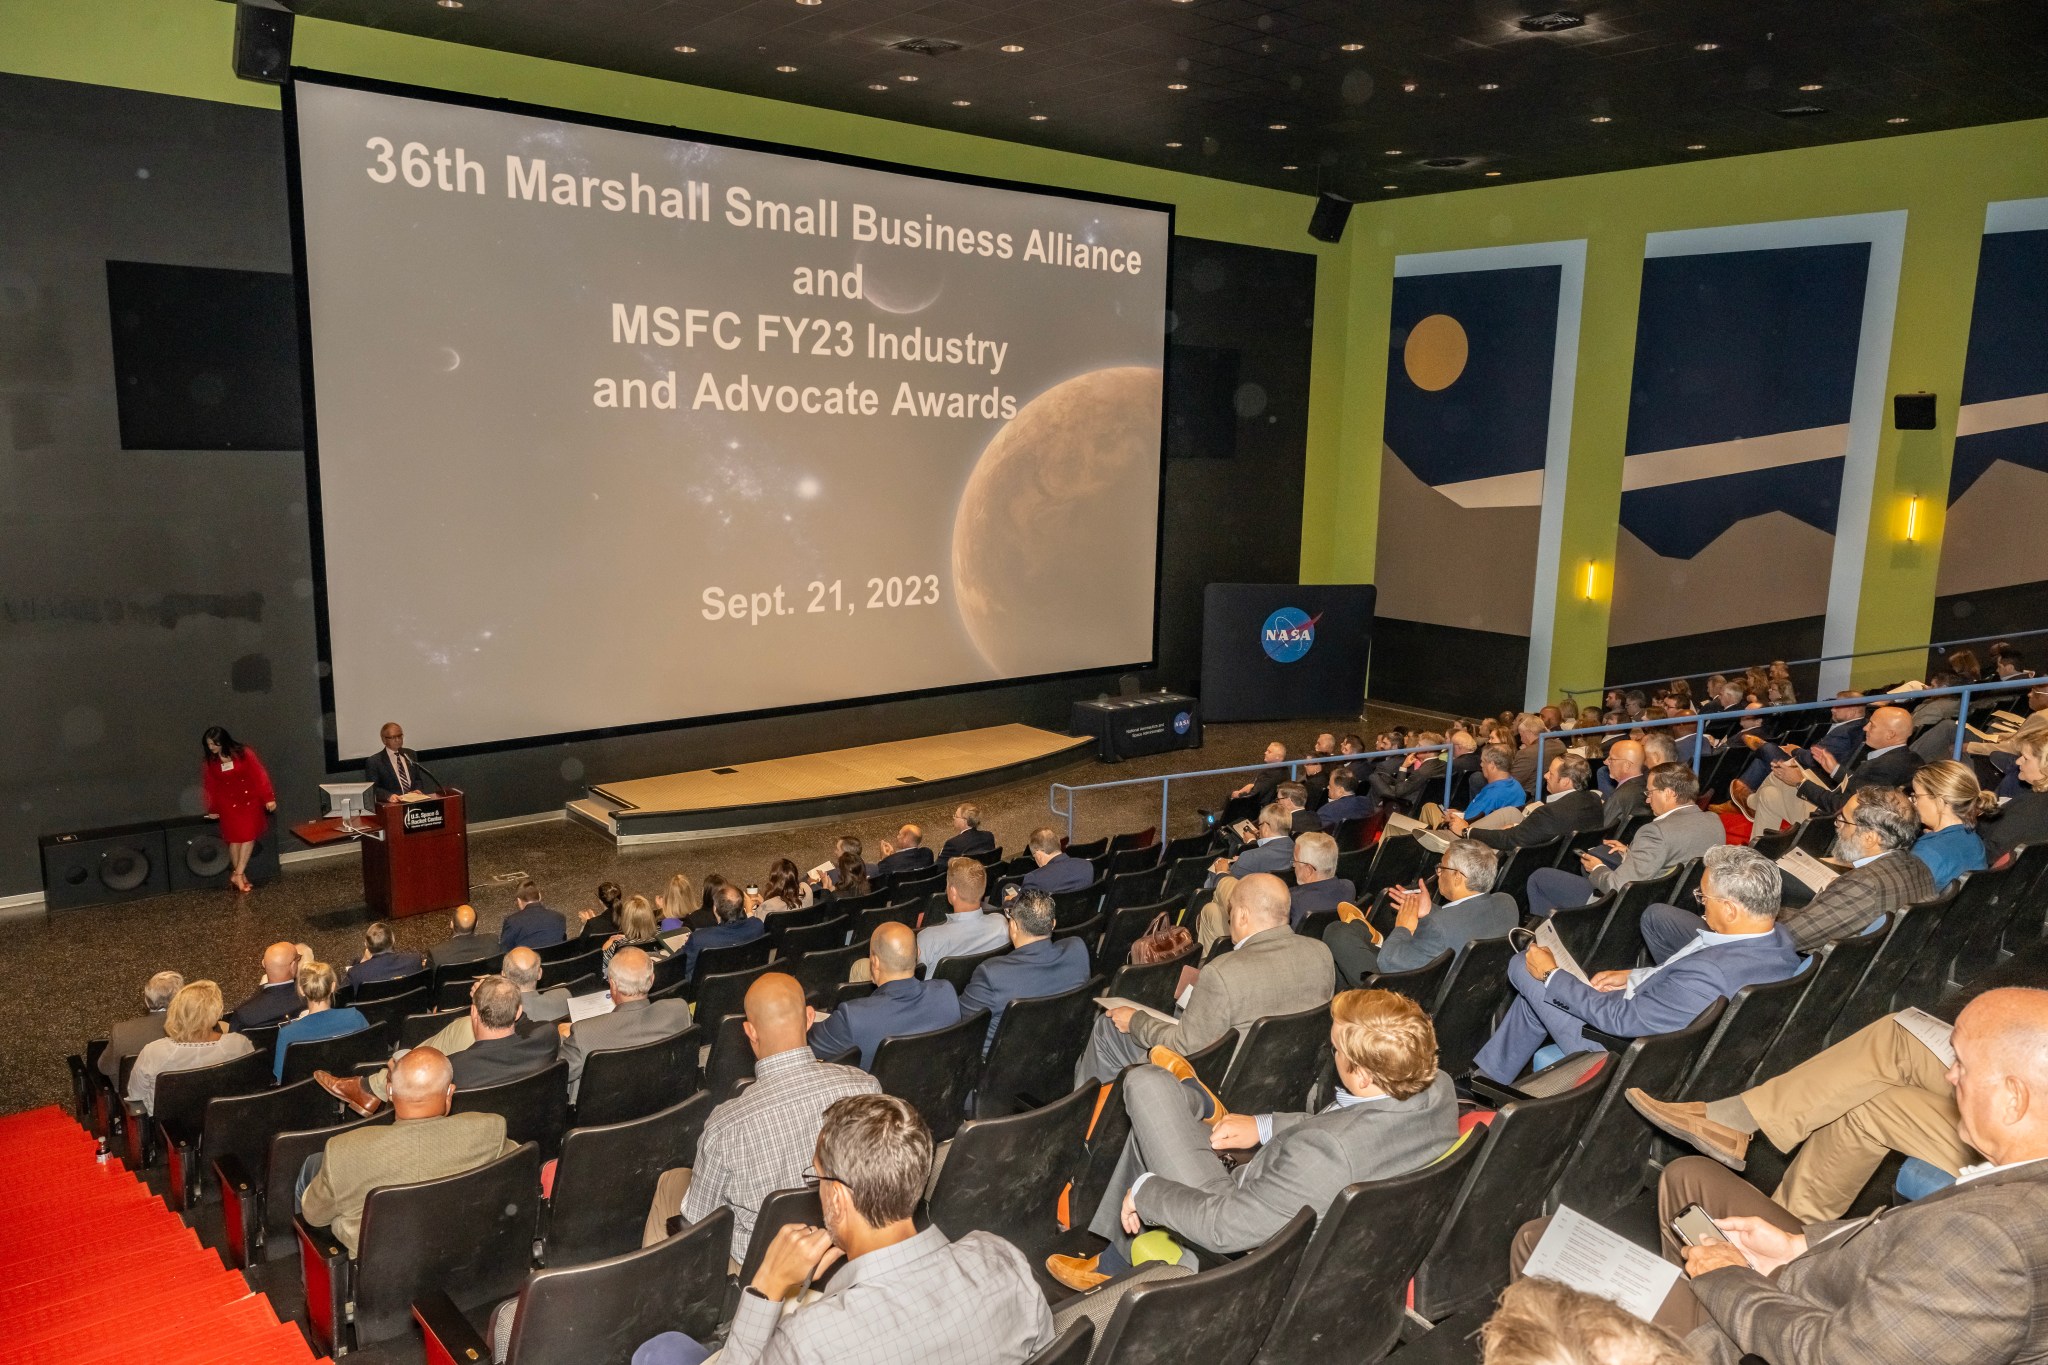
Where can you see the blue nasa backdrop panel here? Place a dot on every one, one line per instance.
(1280, 651)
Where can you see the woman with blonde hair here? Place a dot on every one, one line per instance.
(637, 929)
(678, 903)
(1948, 801)
(193, 1038)
(2024, 819)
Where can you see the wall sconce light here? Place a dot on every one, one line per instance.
(1913, 519)
(1587, 575)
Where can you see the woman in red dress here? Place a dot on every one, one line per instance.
(239, 795)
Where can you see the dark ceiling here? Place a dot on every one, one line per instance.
(1271, 96)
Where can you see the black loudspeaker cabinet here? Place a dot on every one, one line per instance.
(104, 866)
(263, 42)
(1913, 411)
(199, 860)
(1326, 224)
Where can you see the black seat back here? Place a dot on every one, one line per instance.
(1070, 1347)
(1513, 877)
(1836, 970)
(1154, 985)
(1187, 846)
(1089, 850)
(466, 972)
(1089, 931)
(1127, 924)
(392, 1008)
(733, 957)
(960, 970)
(1348, 1296)
(535, 1108)
(241, 1126)
(1527, 1144)
(1585, 841)
(1607, 1167)
(384, 990)
(875, 916)
(824, 968)
(1132, 862)
(1777, 843)
(469, 1236)
(1621, 937)
(1749, 1025)
(599, 1312)
(629, 1082)
(807, 938)
(723, 993)
(1004, 1175)
(934, 1071)
(1421, 984)
(1988, 904)
(780, 1208)
(182, 1096)
(731, 1060)
(1229, 1310)
(1184, 876)
(289, 1149)
(605, 1180)
(1399, 858)
(1463, 1010)
(1354, 865)
(415, 1029)
(1147, 837)
(560, 971)
(670, 971)
(1282, 1056)
(567, 948)
(1031, 1061)
(338, 1055)
(1578, 926)
(1896, 977)
(1072, 907)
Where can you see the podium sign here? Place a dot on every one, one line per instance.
(416, 859)
(424, 815)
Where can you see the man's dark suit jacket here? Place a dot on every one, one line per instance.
(1308, 897)
(385, 966)
(267, 1005)
(1572, 813)
(458, 948)
(1305, 822)
(530, 1046)
(531, 926)
(1061, 873)
(1335, 812)
(1045, 967)
(895, 1009)
(901, 861)
(972, 843)
(1423, 782)
(1628, 800)
(1842, 739)
(2022, 820)
(1892, 768)
(384, 778)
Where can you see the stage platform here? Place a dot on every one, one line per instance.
(811, 787)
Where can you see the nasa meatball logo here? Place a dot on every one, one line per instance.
(1288, 634)
(1182, 722)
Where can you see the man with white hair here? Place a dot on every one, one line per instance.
(1316, 887)
(522, 968)
(1424, 929)
(130, 1036)
(633, 1020)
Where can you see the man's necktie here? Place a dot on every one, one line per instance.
(404, 771)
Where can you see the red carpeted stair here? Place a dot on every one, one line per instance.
(95, 1270)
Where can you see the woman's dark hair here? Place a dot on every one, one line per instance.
(784, 883)
(609, 895)
(230, 747)
(711, 885)
(851, 867)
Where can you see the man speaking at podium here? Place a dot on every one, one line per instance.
(394, 771)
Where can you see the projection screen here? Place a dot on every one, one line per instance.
(614, 427)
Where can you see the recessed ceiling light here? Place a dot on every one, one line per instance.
(1390, 187)
(1290, 168)
(879, 86)
(1038, 118)
(1393, 151)
(1706, 47)
(1173, 144)
(1602, 118)
(1178, 85)
(1351, 47)
(1408, 86)
(1276, 127)
(1695, 146)
(1812, 87)
(906, 78)
(1896, 120)
(785, 70)
(685, 49)
(1489, 86)
(1493, 172)
(1556, 21)
(1013, 47)
(449, 4)
(810, 2)
(961, 104)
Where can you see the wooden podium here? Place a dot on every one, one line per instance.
(416, 856)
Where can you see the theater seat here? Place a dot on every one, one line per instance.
(1004, 1175)
(605, 1179)
(934, 1071)
(1229, 1309)
(1031, 1060)
(630, 1082)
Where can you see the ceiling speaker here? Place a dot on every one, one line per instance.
(1913, 411)
(1326, 224)
(263, 43)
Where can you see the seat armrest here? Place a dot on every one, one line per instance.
(241, 1206)
(324, 1266)
(181, 1152)
(1494, 1090)
(450, 1338)
(1613, 1044)
(81, 1088)
(135, 1135)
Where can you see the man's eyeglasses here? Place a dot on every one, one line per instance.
(813, 1176)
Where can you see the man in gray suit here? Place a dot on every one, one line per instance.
(1470, 909)
(1274, 851)
(130, 1036)
(634, 1019)
(1678, 832)
(1272, 970)
(522, 968)
(1396, 1113)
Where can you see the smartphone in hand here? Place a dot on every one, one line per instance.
(1694, 1228)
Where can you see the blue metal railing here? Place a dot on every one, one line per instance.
(1060, 799)
(1931, 647)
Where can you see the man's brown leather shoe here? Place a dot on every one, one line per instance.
(349, 1091)
(1689, 1124)
(1182, 1070)
(1741, 795)
(1077, 1273)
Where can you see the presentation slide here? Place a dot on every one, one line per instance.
(616, 428)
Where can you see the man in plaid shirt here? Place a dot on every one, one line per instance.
(760, 1141)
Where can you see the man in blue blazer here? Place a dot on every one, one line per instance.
(381, 959)
(900, 1005)
(1273, 852)
(1035, 965)
(1742, 945)
(1345, 803)
(531, 924)
(1056, 872)
(905, 854)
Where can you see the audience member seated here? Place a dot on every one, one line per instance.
(382, 959)
(906, 853)
(965, 929)
(1406, 783)
(464, 943)
(129, 1036)
(1741, 945)
(531, 924)
(2024, 818)
(1792, 796)
(1345, 803)
(847, 873)
(1528, 751)
(2009, 744)
(901, 1004)
(1882, 1089)
(316, 985)
(1949, 1279)
(423, 1142)
(682, 908)
(1255, 795)
(1037, 964)
(1272, 851)
(1292, 798)
(1057, 870)
(601, 921)
(761, 1140)
(522, 968)
(1316, 776)
(1947, 800)
(1422, 931)
(1499, 800)
(1466, 779)
(2007, 662)
(1272, 970)
(638, 928)
(1568, 808)
(632, 1020)
(1395, 1113)
(1844, 736)
(1625, 783)
(194, 1036)
(904, 1297)
(1547, 1322)
(969, 839)
(1677, 832)
(784, 889)
(365, 1095)
(735, 925)
(1316, 883)
(277, 999)
(504, 1046)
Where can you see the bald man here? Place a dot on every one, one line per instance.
(1795, 794)
(900, 1005)
(762, 1140)
(1626, 786)
(277, 999)
(904, 854)
(464, 943)
(1957, 1277)
(423, 1142)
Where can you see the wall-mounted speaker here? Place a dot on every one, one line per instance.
(1913, 411)
(263, 42)
(198, 859)
(103, 866)
(1326, 224)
